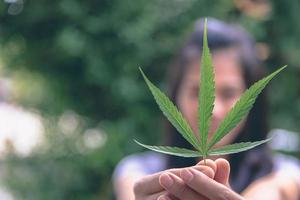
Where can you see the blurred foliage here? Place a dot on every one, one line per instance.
(84, 56)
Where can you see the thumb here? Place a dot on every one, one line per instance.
(222, 172)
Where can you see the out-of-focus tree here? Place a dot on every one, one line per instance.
(83, 56)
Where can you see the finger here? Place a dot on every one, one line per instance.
(206, 186)
(164, 197)
(154, 196)
(205, 170)
(208, 162)
(167, 197)
(176, 187)
(150, 184)
(223, 171)
(147, 185)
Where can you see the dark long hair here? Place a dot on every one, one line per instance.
(247, 166)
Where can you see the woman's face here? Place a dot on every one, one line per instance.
(229, 87)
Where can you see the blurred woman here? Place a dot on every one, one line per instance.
(254, 174)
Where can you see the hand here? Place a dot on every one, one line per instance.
(192, 184)
(149, 187)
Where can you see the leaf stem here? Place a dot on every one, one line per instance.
(204, 158)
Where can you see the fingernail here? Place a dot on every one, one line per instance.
(163, 198)
(166, 181)
(186, 175)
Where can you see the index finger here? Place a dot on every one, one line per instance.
(208, 162)
(207, 186)
(150, 184)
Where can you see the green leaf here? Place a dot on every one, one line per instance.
(205, 108)
(241, 108)
(236, 148)
(175, 151)
(206, 92)
(172, 114)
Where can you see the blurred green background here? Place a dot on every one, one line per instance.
(75, 64)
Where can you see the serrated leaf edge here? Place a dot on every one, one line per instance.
(236, 148)
(206, 93)
(243, 105)
(175, 151)
(178, 121)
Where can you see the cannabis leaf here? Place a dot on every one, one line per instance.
(176, 151)
(241, 108)
(204, 148)
(206, 94)
(173, 114)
